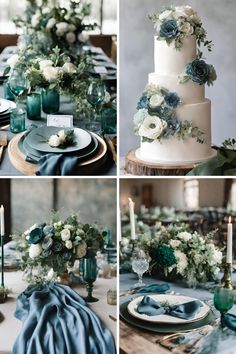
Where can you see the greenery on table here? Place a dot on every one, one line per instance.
(46, 25)
(50, 248)
(175, 252)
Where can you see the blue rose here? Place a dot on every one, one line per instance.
(169, 29)
(47, 243)
(173, 125)
(46, 253)
(172, 99)
(36, 235)
(57, 247)
(198, 71)
(48, 230)
(143, 102)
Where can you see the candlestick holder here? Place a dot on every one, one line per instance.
(3, 294)
(226, 281)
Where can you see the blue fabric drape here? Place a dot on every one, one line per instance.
(56, 320)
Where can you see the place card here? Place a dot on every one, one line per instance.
(64, 121)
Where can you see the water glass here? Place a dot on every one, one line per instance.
(7, 94)
(89, 276)
(95, 96)
(33, 103)
(17, 83)
(109, 121)
(50, 101)
(223, 299)
(17, 120)
(140, 264)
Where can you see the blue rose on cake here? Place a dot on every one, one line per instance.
(169, 29)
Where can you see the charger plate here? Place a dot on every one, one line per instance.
(164, 327)
(171, 300)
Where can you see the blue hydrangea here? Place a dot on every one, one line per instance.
(173, 125)
(169, 29)
(172, 99)
(143, 102)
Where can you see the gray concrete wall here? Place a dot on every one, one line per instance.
(136, 61)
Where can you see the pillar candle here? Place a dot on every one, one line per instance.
(132, 218)
(229, 241)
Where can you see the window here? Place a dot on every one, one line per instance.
(104, 12)
(191, 194)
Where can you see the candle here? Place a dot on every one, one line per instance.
(132, 219)
(229, 241)
(119, 226)
(2, 220)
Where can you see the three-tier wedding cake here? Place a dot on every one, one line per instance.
(174, 117)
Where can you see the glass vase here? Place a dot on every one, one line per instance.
(17, 120)
(33, 106)
(50, 101)
(90, 275)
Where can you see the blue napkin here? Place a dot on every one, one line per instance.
(154, 288)
(56, 320)
(229, 321)
(57, 165)
(186, 311)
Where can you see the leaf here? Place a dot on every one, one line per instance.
(6, 70)
(147, 140)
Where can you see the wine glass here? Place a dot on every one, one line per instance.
(90, 275)
(95, 96)
(17, 83)
(140, 264)
(223, 299)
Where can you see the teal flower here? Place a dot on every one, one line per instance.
(47, 243)
(200, 72)
(164, 256)
(169, 29)
(48, 230)
(36, 235)
(172, 99)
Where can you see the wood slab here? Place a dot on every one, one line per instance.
(138, 167)
(88, 167)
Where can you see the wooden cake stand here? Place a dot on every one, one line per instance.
(87, 167)
(137, 167)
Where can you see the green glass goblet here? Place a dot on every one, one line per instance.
(18, 84)
(90, 275)
(95, 96)
(223, 300)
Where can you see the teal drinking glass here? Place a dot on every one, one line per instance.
(109, 121)
(50, 101)
(95, 96)
(90, 275)
(223, 299)
(17, 83)
(17, 120)
(33, 104)
(7, 94)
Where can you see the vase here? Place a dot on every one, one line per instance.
(64, 278)
(109, 121)
(50, 101)
(33, 104)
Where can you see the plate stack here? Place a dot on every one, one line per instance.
(166, 323)
(35, 144)
(5, 109)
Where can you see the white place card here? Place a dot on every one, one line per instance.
(100, 70)
(64, 121)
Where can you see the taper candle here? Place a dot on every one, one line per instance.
(2, 244)
(2, 221)
(229, 241)
(132, 218)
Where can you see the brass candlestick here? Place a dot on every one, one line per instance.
(226, 281)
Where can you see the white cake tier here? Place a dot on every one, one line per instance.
(188, 92)
(170, 61)
(172, 150)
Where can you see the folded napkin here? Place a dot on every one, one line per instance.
(154, 288)
(57, 320)
(229, 321)
(57, 165)
(186, 311)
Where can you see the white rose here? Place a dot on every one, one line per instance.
(81, 250)
(70, 37)
(71, 28)
(51, 74)
(69, 245)
(183, 11)
(83, 37)
(186, 28)
(69, 68)
(186, 236)
(12, 61)
(156, 100)
(196, 19)
(46, 10)
(107, 97)
(35, 250)
(65, 234)
(165, 15)
(54, 141)
(62, 135)
(62, 27)
(35, 20)
(182, 261)
(45, 63)
(51, 23)
(152, 127)
(175, 243)
(50, 274)
(125, 241)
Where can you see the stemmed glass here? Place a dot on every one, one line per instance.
(17, 83)
(223, 299)
(89, 276)
(95, 96)
(140, 264)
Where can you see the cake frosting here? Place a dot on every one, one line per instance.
(174, 117)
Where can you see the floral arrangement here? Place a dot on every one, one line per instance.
(50, 248)
(62, 139)
(174, 24)
(48, 25)
(174, 250)
(156, 117)
(199, 72)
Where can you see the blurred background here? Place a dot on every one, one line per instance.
(137, 60)
(30, 201)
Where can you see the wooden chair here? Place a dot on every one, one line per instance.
(8, 40)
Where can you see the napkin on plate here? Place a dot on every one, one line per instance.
(154, 288)
(57, 165)
(57, 320)
(187, 311)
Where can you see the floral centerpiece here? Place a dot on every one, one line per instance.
(50, 248)
(46, 25)
(177, 252)
(156, 117)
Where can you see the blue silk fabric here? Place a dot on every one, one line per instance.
(56, 320)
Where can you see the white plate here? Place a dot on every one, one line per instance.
(172, 300)
(4, 105)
